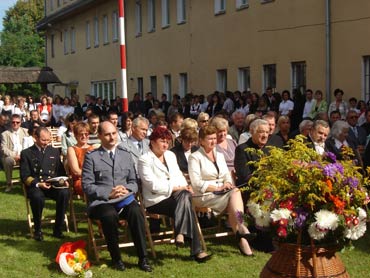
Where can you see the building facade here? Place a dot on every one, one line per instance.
(198, 46)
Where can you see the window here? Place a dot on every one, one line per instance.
(244, 79)
(52, 46)
(138, 18)
(165, 13)
(96, 32)
(167, 85)
(221, 80)
(181, 11)
(220, 6)
(104, 89)
(59, 2)
(299, 76)
(87, 30)
(366, 61)
(115, 26)
(51, 5)
(269, 76)
(183, 84)
(151, 15)
(140, 87)
(241, 4)
(73, 40)
(105, 29)
(153, 86)
(266, 1)
(65, 39)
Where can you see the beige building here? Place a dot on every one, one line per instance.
(198, 46)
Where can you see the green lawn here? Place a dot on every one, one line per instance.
(22, 256)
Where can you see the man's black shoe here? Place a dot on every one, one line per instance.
(38, 236)
(119, 265)
(58, 234)
(144, 265)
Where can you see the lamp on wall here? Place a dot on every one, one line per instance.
(51, 27)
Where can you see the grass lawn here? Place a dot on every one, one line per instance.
(22, 256)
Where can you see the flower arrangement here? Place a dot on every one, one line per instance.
(301, 195)
(72, 259)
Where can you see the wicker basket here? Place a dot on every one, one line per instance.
(294, 260)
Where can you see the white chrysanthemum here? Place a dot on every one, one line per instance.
(361, 214)
(263, 220)
(355, 232)
(316, 233)
(326, 220)
(254, 209)
(278, 214)
(88, 274)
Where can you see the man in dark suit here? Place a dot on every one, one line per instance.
(38, 164)
(108, 173)
(356, 133)
(318, 135)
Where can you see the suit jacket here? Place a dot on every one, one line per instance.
(203, 172)
(331, 147)
(360, 139)
(178, 150)
(158, 180)
(100, 174)
(130, 146)
(7, 144)
(243, 170)
(36, 166)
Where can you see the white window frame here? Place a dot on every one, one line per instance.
(221, 81)
(244, 79)
(167, 85)
(138, 18)
(269, 76)
(104, 89)
(165, 13)
(96, 32)
(73, 39)
(115, 26)
(105, 29)
(220, 6)
(151, 16)
(65, 40)
(242, 4)
(181, 11)
(183, 84)
(298, 81)
(87, 34)
(366, 78)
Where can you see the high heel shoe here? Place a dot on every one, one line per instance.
(248, 237)
(202, 257)
(180, 242)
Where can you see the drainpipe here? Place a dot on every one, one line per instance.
(328, 50)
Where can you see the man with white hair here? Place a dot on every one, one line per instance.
(238, 124)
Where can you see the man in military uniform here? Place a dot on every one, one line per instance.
(38, 164)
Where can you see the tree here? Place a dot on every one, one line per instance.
(21, 45)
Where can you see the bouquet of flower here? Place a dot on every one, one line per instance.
(297, 193)
(72, 259)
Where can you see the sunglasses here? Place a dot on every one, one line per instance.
(15, 122)
(204, 121)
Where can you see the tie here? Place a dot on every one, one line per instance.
(354, 129)
(140, 147)
(111, 155)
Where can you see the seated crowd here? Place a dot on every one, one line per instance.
(189, 151)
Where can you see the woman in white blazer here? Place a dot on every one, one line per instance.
(165, 190)
(214, 188)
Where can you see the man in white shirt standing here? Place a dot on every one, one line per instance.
(11, 147)
(308, 104)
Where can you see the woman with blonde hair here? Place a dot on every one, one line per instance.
(203, 119)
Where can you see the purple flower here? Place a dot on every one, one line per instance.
(352, 182)
(301, 218)
(240, 217)
(331, 157)
(332, 169)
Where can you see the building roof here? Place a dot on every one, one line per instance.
(70, 10)
(14, 75)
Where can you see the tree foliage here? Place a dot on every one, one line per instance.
(21, 45)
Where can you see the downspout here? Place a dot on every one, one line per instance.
(328, 50)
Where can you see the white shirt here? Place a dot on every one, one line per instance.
(285, 107)
(307, 108)
(17, 146)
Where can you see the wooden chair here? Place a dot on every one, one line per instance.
(45, 220)
(76, 216)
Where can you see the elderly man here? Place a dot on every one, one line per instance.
(108, 174)
(11, 147)
(238, 124)
(39, 163)
(317, 136)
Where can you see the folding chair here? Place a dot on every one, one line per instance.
(45, 220)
